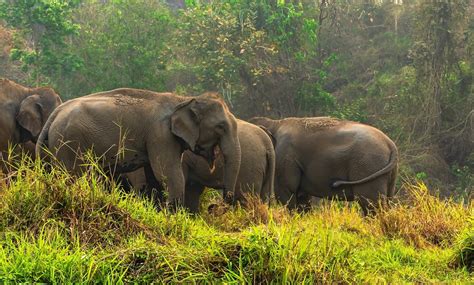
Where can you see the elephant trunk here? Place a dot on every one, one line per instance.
(43, 136)
(230, 147)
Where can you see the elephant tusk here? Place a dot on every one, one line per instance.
(212, 160)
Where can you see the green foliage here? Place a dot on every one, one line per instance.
(351, 112)
(464, 254)
(222, 43)
(465, 177)
(246, 47)
(312, 94)
(124, 43)
(50, 258)
(48, 25)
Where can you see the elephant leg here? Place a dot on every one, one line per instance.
(153, 189)
(27, 148)
(71, 163)
(167, 169)
(69, 155)
(287, 182)
(303, 201)
(368, 195)
(193, 193)
(265, 197)
(3, 163)
(124, 182)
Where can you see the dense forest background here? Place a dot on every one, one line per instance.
(406, 67)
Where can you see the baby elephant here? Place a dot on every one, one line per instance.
(326, 157)
(256, 174)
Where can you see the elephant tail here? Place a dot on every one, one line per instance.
(391, 165)
(272, 137)
(391, 185)
(269, 179)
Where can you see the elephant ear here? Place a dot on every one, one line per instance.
(30, 115)
(185, 123)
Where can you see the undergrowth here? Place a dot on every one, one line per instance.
(56, 228)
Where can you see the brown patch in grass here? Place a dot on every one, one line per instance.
(257, 211)
(252, 212)
(110, 225)
(424, 220)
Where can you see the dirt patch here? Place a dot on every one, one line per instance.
(5, 42)
(122, 100)
(317, 123)
(9, 69)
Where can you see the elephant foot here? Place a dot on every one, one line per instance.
(228, 197)
(217, 209)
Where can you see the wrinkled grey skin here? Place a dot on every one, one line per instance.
(257, 168)
(328, 158)
(23, 112)
(256, 175)
(132, 128)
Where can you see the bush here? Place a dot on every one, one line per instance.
(426, 220)
(464, 252)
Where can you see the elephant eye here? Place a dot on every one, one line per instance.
(221, 126)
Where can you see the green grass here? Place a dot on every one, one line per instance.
(55, 228)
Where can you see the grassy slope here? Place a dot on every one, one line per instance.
(54, 228)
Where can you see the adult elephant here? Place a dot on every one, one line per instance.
(256, 174)
(133, 128)
(257, 168)
(327, 157)
(23, 112)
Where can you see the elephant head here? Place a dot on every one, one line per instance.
(205, 122)
(35, 110)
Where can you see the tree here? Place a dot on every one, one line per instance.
(259, 53)
(46, 26)
(124, 43)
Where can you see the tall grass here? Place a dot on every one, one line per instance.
(56, 228)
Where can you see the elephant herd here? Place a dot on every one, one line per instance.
(183, 144)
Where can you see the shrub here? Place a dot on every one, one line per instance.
(424, 220)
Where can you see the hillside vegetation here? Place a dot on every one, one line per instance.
(59, 229)
(405, 67)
